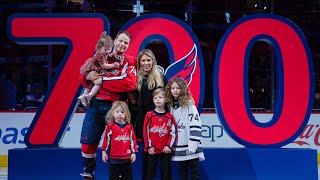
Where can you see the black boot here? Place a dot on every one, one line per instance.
(89, 165)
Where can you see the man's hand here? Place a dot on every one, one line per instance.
(93, 76)
(116, 65)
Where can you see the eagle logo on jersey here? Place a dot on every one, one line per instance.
(184, 68)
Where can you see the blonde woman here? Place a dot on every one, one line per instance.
(149, 78)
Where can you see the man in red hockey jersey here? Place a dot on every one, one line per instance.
(111, 90)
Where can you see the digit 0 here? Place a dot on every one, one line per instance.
(295, 81)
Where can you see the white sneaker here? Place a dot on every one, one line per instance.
(88, 98)
(87, 176)
(83, 100)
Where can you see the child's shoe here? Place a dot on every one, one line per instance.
(88, 98)
(83, 100)
(87, 176)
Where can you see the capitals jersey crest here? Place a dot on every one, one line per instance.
(123, 138)
(159, 129)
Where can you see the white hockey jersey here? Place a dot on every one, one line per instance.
(188, 145)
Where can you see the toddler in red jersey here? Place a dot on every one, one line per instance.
(159, 133)
(120, 142)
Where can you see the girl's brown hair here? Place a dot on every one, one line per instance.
(115, 105)
(104, 41)
(184, 98)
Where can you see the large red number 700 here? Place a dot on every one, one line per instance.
(295, 81)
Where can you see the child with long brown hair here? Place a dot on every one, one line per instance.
(119, 141)
(188, 148)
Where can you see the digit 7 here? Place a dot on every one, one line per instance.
(80, 32)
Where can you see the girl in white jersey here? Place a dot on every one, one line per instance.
(188, 148)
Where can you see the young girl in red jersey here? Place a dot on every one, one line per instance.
(159, 133)
(120, 141)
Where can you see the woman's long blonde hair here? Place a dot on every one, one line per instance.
(185, 98)
(154, 75)
(115, 105)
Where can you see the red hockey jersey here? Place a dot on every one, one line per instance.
(159, 130)
(123, 80)
(122, 60)
(121, 141)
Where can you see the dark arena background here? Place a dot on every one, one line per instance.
(255, 79)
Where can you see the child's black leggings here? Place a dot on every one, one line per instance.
(194, 166)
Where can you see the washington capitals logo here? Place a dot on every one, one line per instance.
(123, 138)
(184, 68)
(159, 129)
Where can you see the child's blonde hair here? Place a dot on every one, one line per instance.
(115, 105)
(154, 75)
(159, 91)
(185, 98)
(104, 41)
